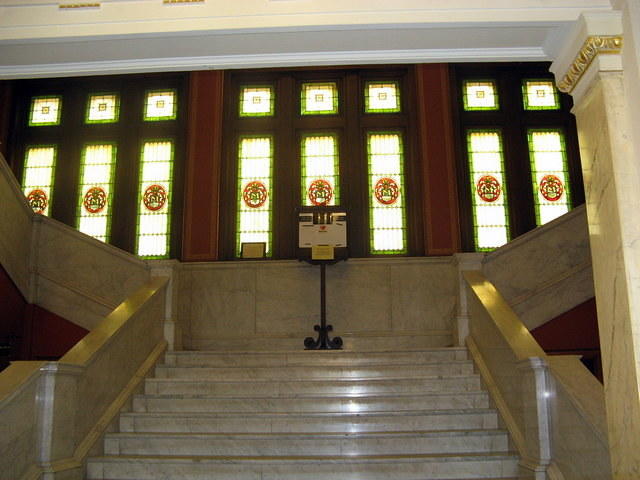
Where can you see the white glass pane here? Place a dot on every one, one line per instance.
(256, 101)
(540, 94)
(480, 96)
(103, 108)
(160, 105)
(152, 245)
(45, 111)
(319, 98)
(491, 237)
(382, 97)
(388, 240)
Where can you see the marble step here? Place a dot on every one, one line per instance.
(252, 444)
(292, 404)
(383, 467)
(313, 357)
(175, 386)
(352, 342)
(450, 419)
(458, 367)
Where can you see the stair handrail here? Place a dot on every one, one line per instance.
(55, 412)
(532, 392)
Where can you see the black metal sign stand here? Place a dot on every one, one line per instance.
(323, 342)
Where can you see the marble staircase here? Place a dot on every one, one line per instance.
(309, 415)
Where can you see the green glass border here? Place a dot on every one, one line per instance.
(111, 183)
(368, 109)
(174, 113)
(303, 166)
(565, 168)
(239, 201)
(505, 192)
(402, 251)
(45, 124)
(88, 109)
(53, 171)
(272, 101)
(303, 98)
(525, 97)
(169, 196)
(480, 109)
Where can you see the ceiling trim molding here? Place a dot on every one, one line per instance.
(592, 47)
(223, 62)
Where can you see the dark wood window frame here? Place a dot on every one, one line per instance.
(351, 125)
(129, 133)
(513, 121)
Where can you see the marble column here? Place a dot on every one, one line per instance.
(591, 67)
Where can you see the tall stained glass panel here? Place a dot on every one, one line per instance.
(154, 199)
(97, 170)
(320, 170)
(255, 191)
(486, 168)
(37, 183)
(548, 156)
(480, 95)
(45, 111)
(387, 219)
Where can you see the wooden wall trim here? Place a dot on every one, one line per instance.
(437, 148)
(203, 167)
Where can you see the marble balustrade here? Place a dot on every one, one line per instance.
(546, 271)
(553, 407)
(53, 413)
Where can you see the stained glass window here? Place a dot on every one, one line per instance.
(255, 191)
(320, 170)
(154, 199)
(480, 95)
(96, 190)
(486, 167)
(160, 105)
(319, 98)
(256, 101)
(540, 95)
(45, 111)
(37, 183)
(382, 97)
(103, 108)
(549, 173)
(387, 219)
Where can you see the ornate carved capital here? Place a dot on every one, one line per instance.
(592, 47)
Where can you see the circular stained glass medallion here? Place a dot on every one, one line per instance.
(154, 197)
(488, 188)
(255, 194)
(38, 200)
(551, 188)
(320, 192)
(95, 200)
(386, 191)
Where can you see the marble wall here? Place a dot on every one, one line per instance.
(545, 272)
(230, 300)
(15, 230)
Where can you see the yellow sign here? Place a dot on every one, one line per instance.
(322, 252)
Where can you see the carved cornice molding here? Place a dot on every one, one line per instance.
(592, 47)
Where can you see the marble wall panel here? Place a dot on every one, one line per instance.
(15, 229)
(87, 265)
(282, 298)
(18, 427)
(287, 298)
(547, 271)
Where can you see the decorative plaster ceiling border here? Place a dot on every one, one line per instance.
(592, 47)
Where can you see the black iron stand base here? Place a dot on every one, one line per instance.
(323, 342)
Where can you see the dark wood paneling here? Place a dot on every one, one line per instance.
(436, 138)
(6, 101)
(202, 189)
